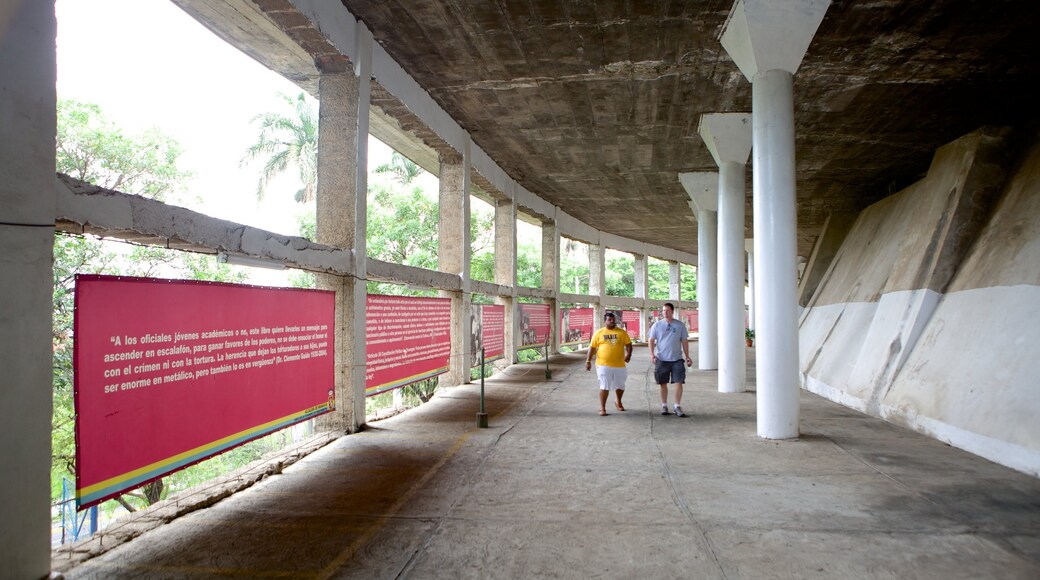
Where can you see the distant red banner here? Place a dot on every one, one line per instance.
(534, 324)
(409, 339)
(692, 320)
(630, 322)
(576, 325)
(170, 372)
(487, 331)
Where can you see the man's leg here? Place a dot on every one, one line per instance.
(620, 393)
(679, 376)
(603, 393)
(661, 374)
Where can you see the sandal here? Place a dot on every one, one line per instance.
(619, 406)
(602, 413)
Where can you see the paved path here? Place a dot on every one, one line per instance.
(553, 490)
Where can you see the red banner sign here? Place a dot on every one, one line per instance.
(409, 339)
(534, 324)
(170, 372)
(576, 325)
(692, 320)
(487, 330)
(630, 322)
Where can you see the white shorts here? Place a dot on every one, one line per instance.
(611, 378)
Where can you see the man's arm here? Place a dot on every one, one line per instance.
(628, 352)
(652, 342)
(588, 359)
(686, 351)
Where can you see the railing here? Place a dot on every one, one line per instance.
(71, 521)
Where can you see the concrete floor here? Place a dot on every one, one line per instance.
(551, 489)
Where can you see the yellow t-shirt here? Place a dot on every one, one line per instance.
(610, 346)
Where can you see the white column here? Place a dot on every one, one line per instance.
(728, 137)
(707, 287)
(767, 40)
(732, 366)
(776, 323)
(749, 247)
(27, 127)
(703, 189)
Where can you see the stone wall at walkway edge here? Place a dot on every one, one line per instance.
(928, 316)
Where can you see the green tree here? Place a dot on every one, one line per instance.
(287, 140)
(91, 148)
(621, 279)
(401, 168)
(402, 226)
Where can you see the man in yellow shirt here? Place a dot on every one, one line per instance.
(613, 349)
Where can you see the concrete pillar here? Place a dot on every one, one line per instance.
(598, 282)
(674, 282)
(749, 247)
(731, 278)
(703, 189)
(642, 283)
(27, 129)
(453, 255)
(551, 279)
(707, 289)
(505, 271)
(767, 40)
(337, 222)
(728, 137)
(776, 315)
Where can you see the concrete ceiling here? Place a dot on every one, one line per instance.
(593, 105)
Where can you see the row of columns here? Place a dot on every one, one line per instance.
(768, 60)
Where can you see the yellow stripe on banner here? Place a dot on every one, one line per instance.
(158, 465)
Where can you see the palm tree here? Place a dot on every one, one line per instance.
(288, 140)
(402, 169)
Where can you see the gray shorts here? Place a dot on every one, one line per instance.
(670, 371)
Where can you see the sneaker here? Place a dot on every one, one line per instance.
(664, 410)
(679, 412)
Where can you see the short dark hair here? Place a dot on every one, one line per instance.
(609, 315)
(670, 305)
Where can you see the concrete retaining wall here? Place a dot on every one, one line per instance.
(929, 314)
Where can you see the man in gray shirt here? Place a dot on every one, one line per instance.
(669, 349)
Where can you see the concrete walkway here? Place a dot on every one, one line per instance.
(552, 489)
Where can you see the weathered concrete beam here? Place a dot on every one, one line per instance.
(625, 302)
(85, 208)
(413, 276)
(534, 292)
(578, 298)
(621, 244)
(489, 288)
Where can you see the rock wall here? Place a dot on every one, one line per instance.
(928, 314)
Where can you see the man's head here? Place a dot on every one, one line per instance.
(609, 320)
(669, 311)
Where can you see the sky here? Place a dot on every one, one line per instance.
(147, 63)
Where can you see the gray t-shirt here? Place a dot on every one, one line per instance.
(669, 337)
